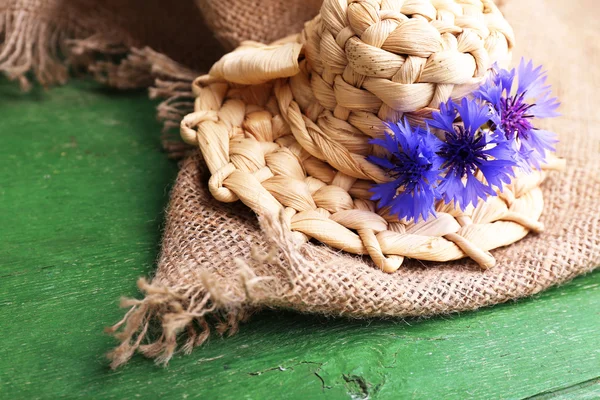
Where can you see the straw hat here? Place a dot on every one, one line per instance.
(286, 127)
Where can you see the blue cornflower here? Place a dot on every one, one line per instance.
(467, 149)
(515, 105)
(413, 167)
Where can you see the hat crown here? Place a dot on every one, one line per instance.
(392, 58)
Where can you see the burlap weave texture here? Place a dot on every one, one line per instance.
(234, 21)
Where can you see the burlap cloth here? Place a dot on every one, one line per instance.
(217, 264)
(38, 35)
(130, 44)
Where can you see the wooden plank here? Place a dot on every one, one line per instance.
(581, 391)
(82, 189)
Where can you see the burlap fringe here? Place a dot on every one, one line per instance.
(30, 46)
(141, 68)
(194, 310)
(27, 44)
(185, 316)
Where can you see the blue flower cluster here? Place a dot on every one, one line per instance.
(479, 143)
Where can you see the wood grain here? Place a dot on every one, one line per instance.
(82, 188)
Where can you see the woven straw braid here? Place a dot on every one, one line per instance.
(287, 134)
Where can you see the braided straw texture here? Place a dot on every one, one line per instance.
(297, 145)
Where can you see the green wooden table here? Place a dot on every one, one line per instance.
(83, 185)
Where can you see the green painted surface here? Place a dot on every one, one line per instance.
(82, 188)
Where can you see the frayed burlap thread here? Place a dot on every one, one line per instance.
(46, 37)
(204, 236)
(46, 40)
